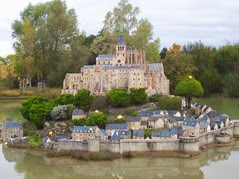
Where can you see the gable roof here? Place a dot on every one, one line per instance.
(213, 113)
(104, 132)
(115, 136)
(84, 129)
(155, 134)
(172, 112)
(104, 57)
(156, 111)
(138, 133)
(11, 124)
(78, 112)
(190, 122)
(116, 126)
(133, 119)
(144, 113)
(203, 125)
(165, 133)
(123, 132)
(153, 119)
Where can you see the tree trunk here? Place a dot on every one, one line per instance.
(189, 100)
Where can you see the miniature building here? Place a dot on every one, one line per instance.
(111, 128)
(204, 127)
(191, 126)
(144, 115)
(78, 114)
(144, 124)
(138, 134)
(156, 122)
(127, 68)
(85, 132)
(11, 130)
(133, 123)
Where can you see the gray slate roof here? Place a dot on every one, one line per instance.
(165, 133)
(115, 136)
(78, 112)
(144, 113)
(130, 48)
(138, 133)
(62, 137)
(121, 40)
(10, 124)
(203, 125)
(190, 122)
(154, 66)
(105, 57)
(116, 126)
(104, 132)
(155, 134)
(133, 119)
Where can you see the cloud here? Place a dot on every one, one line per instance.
(214, 22)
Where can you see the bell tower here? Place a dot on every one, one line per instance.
(121, 48)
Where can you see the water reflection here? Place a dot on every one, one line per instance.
(37, 166)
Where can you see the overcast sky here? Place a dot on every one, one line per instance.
(214, 22)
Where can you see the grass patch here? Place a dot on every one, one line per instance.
(10, 93)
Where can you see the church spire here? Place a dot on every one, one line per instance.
(121, 37)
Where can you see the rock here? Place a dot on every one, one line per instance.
(47, 124)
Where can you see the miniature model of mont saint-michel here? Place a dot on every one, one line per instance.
(127, 68)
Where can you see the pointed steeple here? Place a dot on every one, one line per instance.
(121, 37)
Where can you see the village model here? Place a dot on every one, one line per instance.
(149, 129)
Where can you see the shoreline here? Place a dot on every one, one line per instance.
(110, 156)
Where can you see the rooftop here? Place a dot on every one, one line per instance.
(84, 129)
(116, 126)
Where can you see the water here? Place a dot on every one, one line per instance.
(10, 109)
(220, 163)
(217, 163)
(229, 106)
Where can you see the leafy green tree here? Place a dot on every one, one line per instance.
(138, 96)
(163, 53)
(99, 119)
(231, 84)
(169, 103)
(120, 120)
(79, 122)
(65, 99)
(50, 31)
(83, 99)
(152, 51)
(211, 81)
(189, 87)
(119, 98)
(124, 12)
(37, 110)
(176, 66)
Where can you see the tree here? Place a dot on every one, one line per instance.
(189, 87)
(98, 119)
(169, 103)
(65, 99)
(163, 53)
(152, 51)
(177, 66)
(211, 81)
(174, 49)
(37, 109)
(138, 96)
(56, 46)
(83, 99)
(231, 84)
(124, 13)
(119, 98)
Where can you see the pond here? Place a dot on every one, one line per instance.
(229, 106)
(217, 163)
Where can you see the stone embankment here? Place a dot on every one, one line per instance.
(184, 145)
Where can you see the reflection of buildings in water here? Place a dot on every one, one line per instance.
(155, 167)
(12, 155)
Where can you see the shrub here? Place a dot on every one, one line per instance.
(169, 103)
(62, 112)
(34, 140)
(231, 85)
(28, 128)
(119, 98)
(79, 122)
(130, 112)
(98, 119)
(120, 121)
(83, 99)
(65, 99)
(138, 96)
(154, 98)
(37, 109)
(99, 103)
(10, 93)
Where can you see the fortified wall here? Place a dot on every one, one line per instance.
(190, 145)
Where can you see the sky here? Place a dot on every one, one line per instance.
(214, 22)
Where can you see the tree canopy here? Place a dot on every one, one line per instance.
(189, 87)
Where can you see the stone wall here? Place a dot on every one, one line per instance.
(184, 145)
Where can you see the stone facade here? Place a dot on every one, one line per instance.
(11, 130)
(127, 68)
